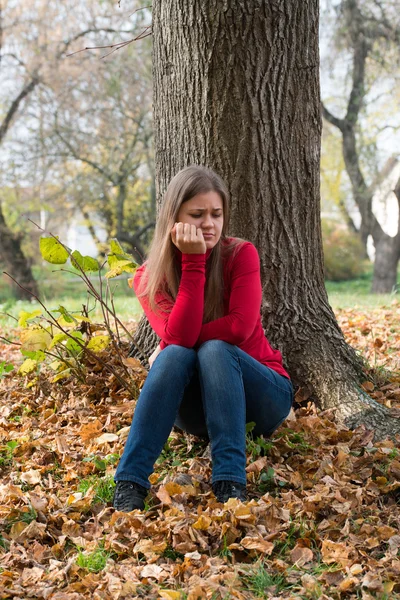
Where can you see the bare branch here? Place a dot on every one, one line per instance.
(339, 123)
(15, 105)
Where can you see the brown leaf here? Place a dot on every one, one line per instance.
(152, 571)
(90, 430)
(62, 445)
(163, 495)
(300, 555)
(257, 543)
(335, 552)
(258, 465)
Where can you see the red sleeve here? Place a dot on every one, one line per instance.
(244, 301)
(179, 322)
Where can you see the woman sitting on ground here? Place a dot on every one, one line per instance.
(214, 369)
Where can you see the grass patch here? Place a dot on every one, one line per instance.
(95, 561)
(103, 488)
(6, 453)
(355, 293)
(26, 515)
(263, 582)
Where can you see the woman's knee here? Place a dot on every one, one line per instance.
(175, 355)
(213, 349)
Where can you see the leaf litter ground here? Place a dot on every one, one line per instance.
(323, 521)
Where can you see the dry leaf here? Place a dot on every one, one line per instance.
(31, 477)
(106, 438)
(300, 555)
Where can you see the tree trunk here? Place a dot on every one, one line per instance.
(236, 88)
(387, 255)
(15, 262)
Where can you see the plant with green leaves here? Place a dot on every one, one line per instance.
(69, 338)
(5, 368)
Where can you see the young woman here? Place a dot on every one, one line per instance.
(214, 370)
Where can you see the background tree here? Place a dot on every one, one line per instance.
(97, 129)
(33, 51)
(241, 95)
(370, 32)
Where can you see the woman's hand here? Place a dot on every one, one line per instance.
(188, 239)
(154, 355)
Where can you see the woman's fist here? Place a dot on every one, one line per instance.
(188, 239)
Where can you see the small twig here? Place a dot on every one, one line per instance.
(8, 314)
(9, 341)
(116, 46)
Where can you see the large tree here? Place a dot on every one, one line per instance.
(370, 32)
(236, 87)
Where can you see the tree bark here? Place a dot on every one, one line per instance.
(15, 262)
(236, 88)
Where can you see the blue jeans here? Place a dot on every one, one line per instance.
(213, 391)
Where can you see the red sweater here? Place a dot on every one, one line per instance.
(181, 322)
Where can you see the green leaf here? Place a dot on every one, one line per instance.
(52, 251)
(38, 356)
(57, 339)
(27, 366)
(24, 317)
(64, 313)
(116, 247)
(250, 426)
(119, 267)
(98, 343)
(119, 261)
(86, 263)
(5, 368)
(73, 346)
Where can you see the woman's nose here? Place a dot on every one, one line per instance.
(207, 221)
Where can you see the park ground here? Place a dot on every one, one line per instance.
(323, 520)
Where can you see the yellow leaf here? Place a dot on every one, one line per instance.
(34, 339)
(98, 343)
(27, 366)
(61, 375)
(169, 595)
(203, 522)
(388, 586)
(17, 529)
(27, 316)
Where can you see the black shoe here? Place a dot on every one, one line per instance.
(129, 495)
(224, 490)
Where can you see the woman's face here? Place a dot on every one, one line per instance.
(206, 212)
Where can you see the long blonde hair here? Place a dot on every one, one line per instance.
(163, 271)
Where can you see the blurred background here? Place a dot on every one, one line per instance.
(76, 147)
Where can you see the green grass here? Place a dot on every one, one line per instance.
(356, 293)
(95, 561)
(264, 583)
(103, 486)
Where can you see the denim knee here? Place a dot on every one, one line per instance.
(180, 352)
(213, 349)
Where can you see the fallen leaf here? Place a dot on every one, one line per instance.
(107, 438)
(300, 555)
(31, 477)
